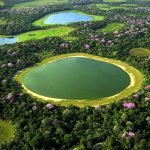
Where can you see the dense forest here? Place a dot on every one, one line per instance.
(45, 126)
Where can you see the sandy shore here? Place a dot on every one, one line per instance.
(132, 78)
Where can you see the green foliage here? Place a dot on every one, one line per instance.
(72, 127)
(40, 34)
(124, 117)
(38, 3)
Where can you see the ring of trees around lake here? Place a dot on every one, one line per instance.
(74, 83)
(42, 124)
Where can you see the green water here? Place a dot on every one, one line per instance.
(77, 78)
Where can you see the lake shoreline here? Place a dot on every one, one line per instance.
(125, 93)
(40, 22)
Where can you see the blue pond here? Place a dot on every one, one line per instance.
(8, 40)
(66, 18)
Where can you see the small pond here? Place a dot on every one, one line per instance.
(8, 40)
(67, 17)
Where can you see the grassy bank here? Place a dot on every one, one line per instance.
(2, 21)
(108, 7)
(40, 34)
(7, 36)
(38, 3)
(139, 52)
(113, 27)
(7, 131)
(41, 23)
(1, 3)
(69, 38)
(135, 76)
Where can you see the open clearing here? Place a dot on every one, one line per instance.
(115, 1)
(40, 34)
(139, 52)
(128, 5)
(112, 27)
(38, 3)
(41, 23)
(62, 31)
(7, 131)
(1, 3)
(135, 75)
(2, 21)
(70, 38)
(108, 7)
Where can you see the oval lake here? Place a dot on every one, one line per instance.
(77, 78)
